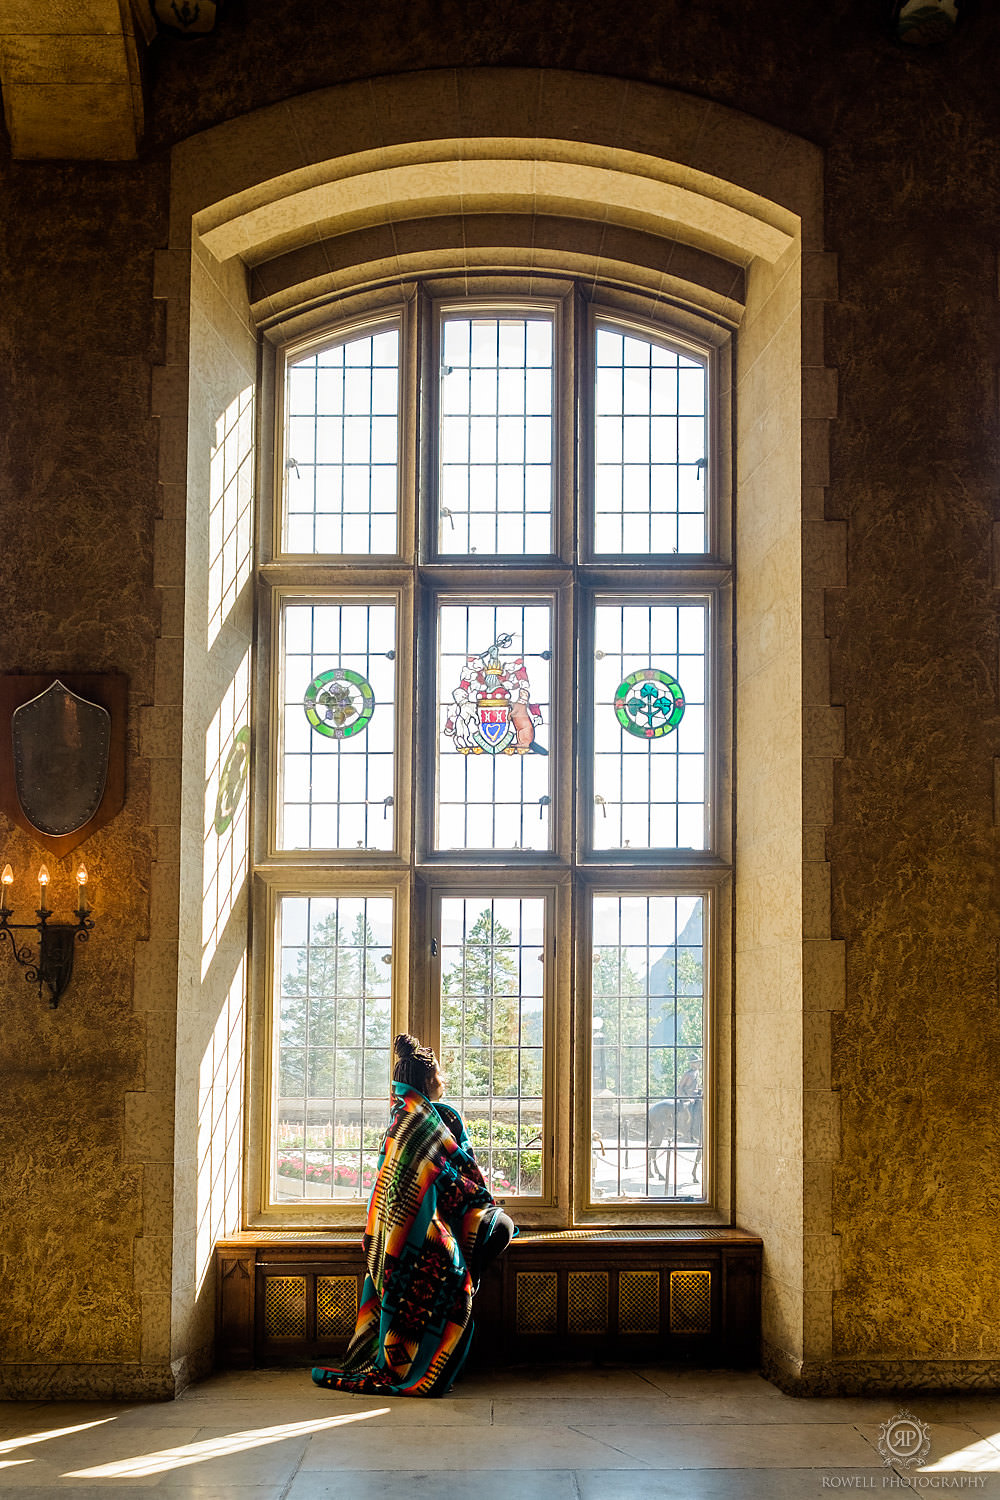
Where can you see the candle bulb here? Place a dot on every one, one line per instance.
(6, 879)
(81, 881)
(43, 880)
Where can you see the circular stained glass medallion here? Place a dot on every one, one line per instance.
(339, 703)
(649, 703)
(233, 780)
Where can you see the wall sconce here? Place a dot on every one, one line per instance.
(53, 967)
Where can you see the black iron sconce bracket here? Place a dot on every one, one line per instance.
(53, 968)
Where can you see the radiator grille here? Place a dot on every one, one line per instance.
(537, 1301)
(690, 1302)
(285, 1307)
(336, 1306)
(639, 1302)
(588, 1302)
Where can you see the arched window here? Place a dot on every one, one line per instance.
(495, 630)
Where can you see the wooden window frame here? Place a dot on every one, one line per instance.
(567, 874)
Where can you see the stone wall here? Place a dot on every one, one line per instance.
(904, 1171)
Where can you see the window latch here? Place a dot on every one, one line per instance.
(434, 947)
(543, 802)
(601, 804)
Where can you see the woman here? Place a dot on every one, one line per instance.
(432, 1230)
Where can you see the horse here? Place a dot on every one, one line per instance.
(660, 1125)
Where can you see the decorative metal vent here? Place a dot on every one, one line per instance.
(285, 1307)
(537, 1300)
(598, 1236)
(690, 1302)
(639, 1302)
(588, 1302)
(336, 1306)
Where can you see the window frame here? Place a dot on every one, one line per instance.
(419, 577)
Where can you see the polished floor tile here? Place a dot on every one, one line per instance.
(575, 1433)
(730, 1484)
(496, 1484)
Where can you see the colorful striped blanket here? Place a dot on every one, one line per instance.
(429, 1200)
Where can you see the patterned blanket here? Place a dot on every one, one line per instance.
(427, 1205)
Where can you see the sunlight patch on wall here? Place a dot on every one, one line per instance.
(230, 515)
(220, 1124)
(227, 767)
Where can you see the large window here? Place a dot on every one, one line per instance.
(495, 611)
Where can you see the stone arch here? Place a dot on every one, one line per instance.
(468, 170)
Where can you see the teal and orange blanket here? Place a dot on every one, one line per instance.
(427, 1205)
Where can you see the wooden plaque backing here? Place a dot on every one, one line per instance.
(110, 690)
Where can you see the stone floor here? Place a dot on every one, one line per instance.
(556, 1434)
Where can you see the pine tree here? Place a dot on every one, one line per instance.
(479, 1006)
(618, 1000)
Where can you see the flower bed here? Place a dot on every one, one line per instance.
(322, 1178)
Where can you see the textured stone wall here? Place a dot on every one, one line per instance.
(78, 488)
(913, 217)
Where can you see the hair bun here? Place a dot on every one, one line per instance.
(405, 1046)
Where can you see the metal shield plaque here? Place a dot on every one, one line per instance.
(61, 744)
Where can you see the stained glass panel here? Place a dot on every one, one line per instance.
(648, 1047)
(338, 724)
(492, 1035)
(341, 447)
(496, 435)
(333, 1036)
(650, 447)
(649, 726)
(495, 726)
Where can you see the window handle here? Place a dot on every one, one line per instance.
(542, 803)
(601, 804)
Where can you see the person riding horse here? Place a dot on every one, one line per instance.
(669, 1121)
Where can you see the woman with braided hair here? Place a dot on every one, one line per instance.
(432, 1230)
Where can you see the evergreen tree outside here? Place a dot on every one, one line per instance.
(481, 1052)
(334, 1048)
(648, 1028)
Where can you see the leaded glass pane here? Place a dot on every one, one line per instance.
(492, 1035)
(338, 725)
(333, 1036)
(496, 435)
(495, 726)
(650, 447)
(649, 726)
(648, 1049)
(341, 447)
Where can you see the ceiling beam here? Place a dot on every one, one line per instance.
(69, 70)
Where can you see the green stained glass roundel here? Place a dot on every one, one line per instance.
(232, 782)
(339, 703)
(649, 703)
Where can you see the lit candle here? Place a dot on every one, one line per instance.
(6, 879)
(81, 881)
(43, 880)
